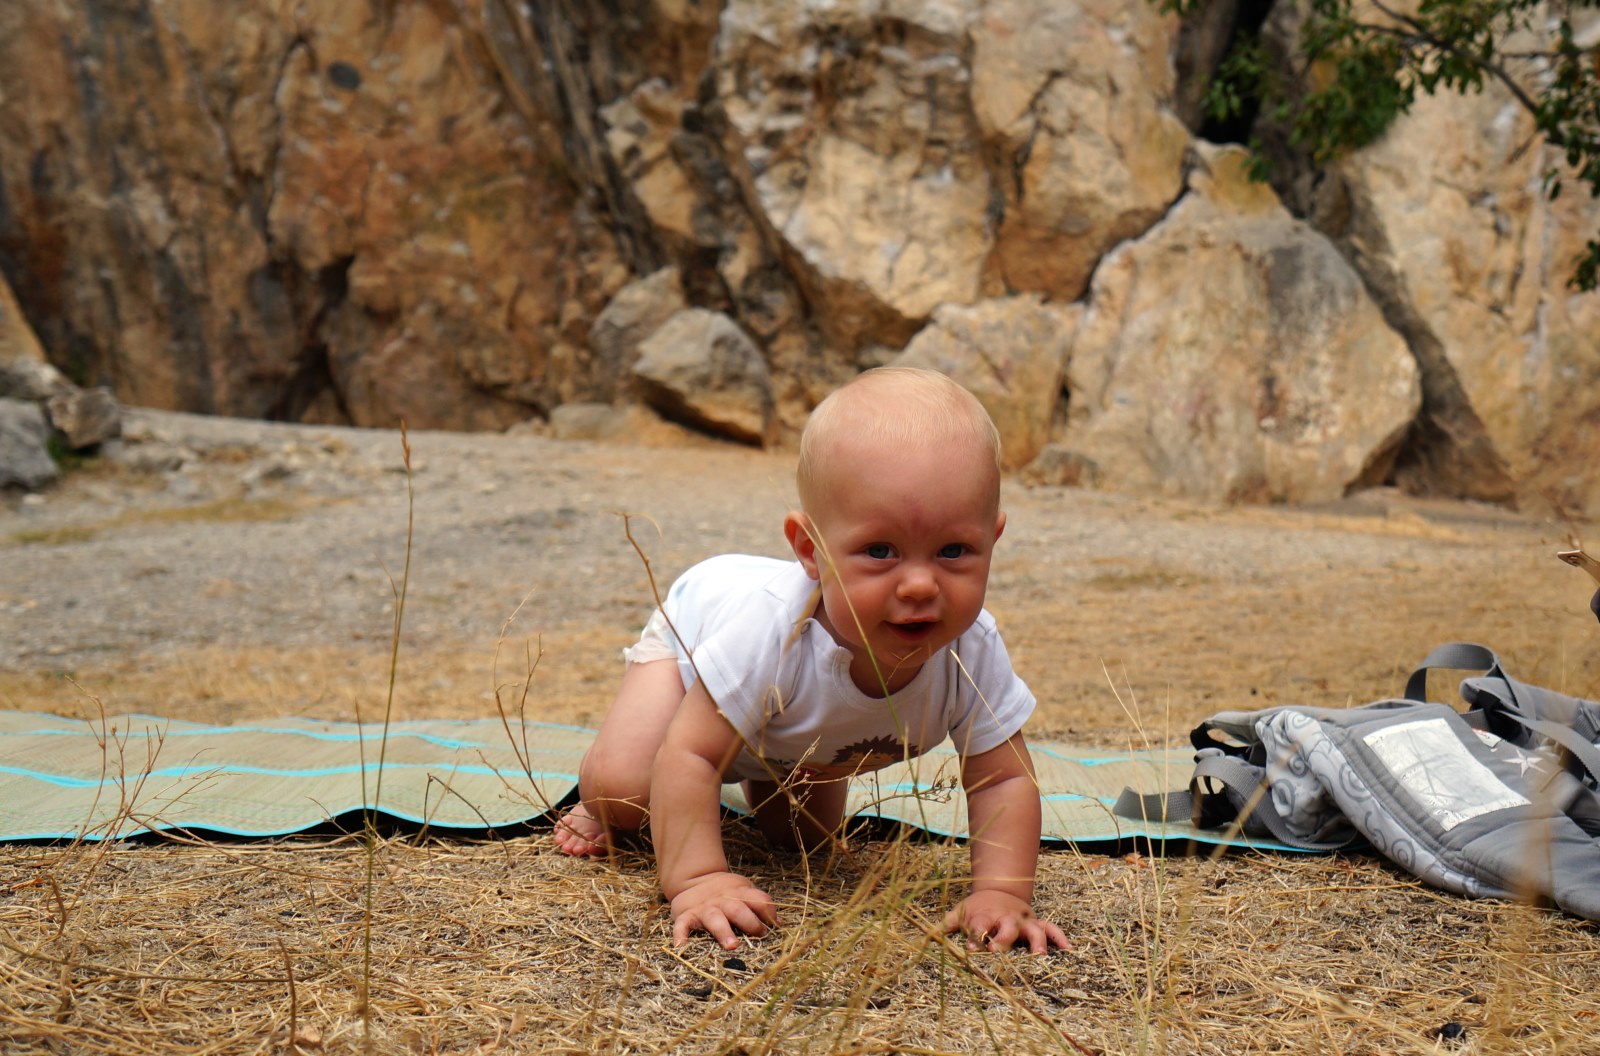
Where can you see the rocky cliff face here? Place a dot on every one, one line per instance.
(469, 213)
(336, 218)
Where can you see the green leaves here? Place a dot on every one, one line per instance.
(1359, 66)
(1370, 87)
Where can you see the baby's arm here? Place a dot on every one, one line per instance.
(1003, 816)
(686, 826)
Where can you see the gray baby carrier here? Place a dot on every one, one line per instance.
(1497, 802)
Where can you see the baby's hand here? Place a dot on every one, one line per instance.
(722, 904)
(995, 921)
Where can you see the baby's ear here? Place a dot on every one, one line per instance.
(999, 525)
(798, 530)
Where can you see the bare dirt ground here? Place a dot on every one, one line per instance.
(220, 570)
(258, 575)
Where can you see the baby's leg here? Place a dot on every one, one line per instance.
(614, 777)
(799, 815)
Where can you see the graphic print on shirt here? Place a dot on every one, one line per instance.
(874, 753)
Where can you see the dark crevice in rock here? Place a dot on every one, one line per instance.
(1447, 451)
(136, 29)
(310, 377)
(1447, 454)
(83, 77)
(576, 69)
(193, 385)
(1208, 34)
(12, 242)
(695, 151)
(769, 299)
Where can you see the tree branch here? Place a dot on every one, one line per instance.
(1422, 32)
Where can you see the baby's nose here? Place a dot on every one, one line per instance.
(918, 582)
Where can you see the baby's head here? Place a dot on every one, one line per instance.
(899, 483)
(896, 409)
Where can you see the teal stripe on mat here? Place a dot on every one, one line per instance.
(64, 778)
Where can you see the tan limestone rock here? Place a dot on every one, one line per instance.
(626, 424)
(1009, 352)
(853, 123)
(459, 247)
(1232, 355)
(1076, 97)
(84, 418)
(235, 197)
(436, 212)
(1449, 222)
(632, 315)
(639, 131)
(700, 369)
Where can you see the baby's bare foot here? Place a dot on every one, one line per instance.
(580, 835)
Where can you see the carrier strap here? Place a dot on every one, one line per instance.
(1457, 656)
(1219, 776)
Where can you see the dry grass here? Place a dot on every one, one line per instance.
(508, 946)
(226, 684)
(1186, 642)
(483, 947)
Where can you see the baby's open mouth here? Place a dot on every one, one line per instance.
(915, 630)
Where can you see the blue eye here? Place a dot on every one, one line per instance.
(878, 551)
(952, 551)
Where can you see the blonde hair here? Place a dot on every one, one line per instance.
(889, 406)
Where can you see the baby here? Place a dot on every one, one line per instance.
(792, 677)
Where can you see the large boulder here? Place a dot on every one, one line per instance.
(1446, 219)
(24, 452)
(700, 369)
(1011, 353)
(1233, 355)
(851, 126)
(1076, 98)
(636, 311)
(81, 418)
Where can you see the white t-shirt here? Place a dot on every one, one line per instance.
(789, 694)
